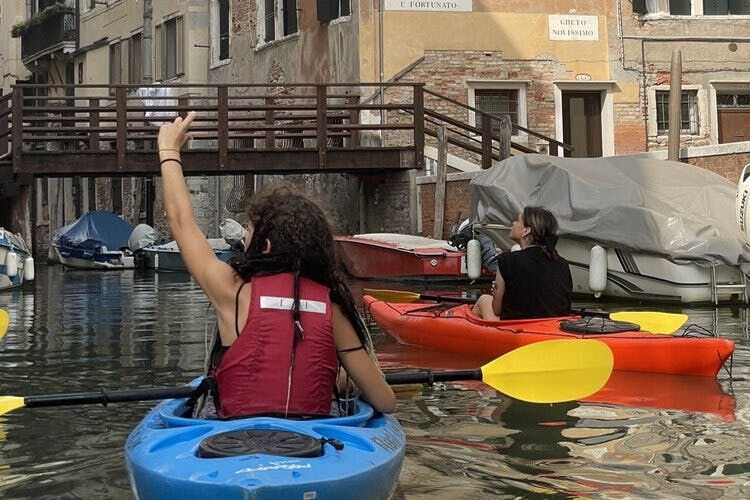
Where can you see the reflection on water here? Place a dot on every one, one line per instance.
(641, 436)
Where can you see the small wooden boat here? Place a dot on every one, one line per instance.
(401, 256)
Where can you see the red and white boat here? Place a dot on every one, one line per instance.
(402, 256)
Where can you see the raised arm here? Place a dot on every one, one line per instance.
(215, 277)
(359, 365)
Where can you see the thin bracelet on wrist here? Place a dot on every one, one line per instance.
(175, 150)
(170, 159)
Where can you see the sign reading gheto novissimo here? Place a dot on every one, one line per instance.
(585, 28)
(430, 5)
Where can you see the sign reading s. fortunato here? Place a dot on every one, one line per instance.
(430, 5)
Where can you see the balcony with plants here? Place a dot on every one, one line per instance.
(48, 31)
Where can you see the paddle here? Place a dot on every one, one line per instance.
(651, 321)
(4, 322)
(544, 372)
(404, 296)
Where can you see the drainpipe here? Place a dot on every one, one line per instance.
(148, 28)
(146, 59)
(380, 59)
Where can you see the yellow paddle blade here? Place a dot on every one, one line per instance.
(392, 295)
(10, 403)
(651, 321)
(551, 371)
(4, 321)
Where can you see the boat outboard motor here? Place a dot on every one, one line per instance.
(233, 233)
(742, 201)
(142, 236)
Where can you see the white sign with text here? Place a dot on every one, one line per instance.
(585, 28)
(430, 5)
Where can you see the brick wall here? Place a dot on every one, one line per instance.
(456, 202)
(729, 166)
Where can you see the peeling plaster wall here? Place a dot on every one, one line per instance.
(317, 53)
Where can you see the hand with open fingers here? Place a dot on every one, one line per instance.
(172, 136)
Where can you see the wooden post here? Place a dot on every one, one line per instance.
(270, 141)
(121, 109)
(486, 142)
(675, 106)
(553, 151)
(322, 117)
(418, 126)
(506, 131)
(441, 176)
(4, 126)
(223, 119)
(17, 130)
(93, 123)
(353, 120)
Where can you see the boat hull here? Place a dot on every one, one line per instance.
(6, 281)
(457, 330)
(161, 457)
(639, 276)
(171, 260)
(101, 261)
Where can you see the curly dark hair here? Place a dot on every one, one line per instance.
(301, 242)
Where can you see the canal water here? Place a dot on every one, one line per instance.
(70, 331)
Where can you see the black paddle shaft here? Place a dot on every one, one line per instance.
(104, 396)
(429, 376)
(443, 298)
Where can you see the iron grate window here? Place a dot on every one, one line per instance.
(496, 102)
(688, 113)
(741, 100)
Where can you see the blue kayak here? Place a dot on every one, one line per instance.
(172, 456)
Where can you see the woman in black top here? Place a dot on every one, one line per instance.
(533, 282)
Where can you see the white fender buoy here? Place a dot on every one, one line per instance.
(28, 269)
(742, 201)
(473, 259)
(597, 270)
(11, 264)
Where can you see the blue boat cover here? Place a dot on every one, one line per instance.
(95, 229)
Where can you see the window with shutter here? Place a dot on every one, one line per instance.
(270, 21)
(290, 16)
(158, 52)
(223, 29)
(180, 46)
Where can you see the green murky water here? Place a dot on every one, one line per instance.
(72, 331)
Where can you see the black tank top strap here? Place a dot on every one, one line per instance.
(237, 308)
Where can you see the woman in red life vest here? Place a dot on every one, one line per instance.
(285, 316)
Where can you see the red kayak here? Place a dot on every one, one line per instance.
(629, 389)
(456, 329)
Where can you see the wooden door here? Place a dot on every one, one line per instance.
(582, 123)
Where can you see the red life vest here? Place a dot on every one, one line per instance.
(253, 375)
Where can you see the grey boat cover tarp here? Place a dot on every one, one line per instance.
(676, 210)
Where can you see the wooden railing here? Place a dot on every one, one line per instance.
(483, 142)
(234, 123)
